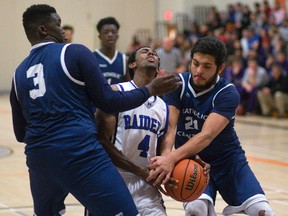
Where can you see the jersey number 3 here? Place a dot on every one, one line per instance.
(37, 73)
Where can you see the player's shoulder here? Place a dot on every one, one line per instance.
(223, 83)
(185, 78)
(97, 52)
(79, 51)
(76, 46)
(161, 102)
(226, 87)
(184, 75)
(121, 54)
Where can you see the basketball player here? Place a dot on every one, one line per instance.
(111, 61)
(202, 113)
(52, 113)
(137, 134)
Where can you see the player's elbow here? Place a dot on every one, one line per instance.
(19, 138)
(19, 135)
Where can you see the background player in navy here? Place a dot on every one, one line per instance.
(202, 114)
(111, 61)
(52, 113)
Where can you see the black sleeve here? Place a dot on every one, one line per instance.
(19, 122)
(82, 64)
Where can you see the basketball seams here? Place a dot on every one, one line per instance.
(174, 195)
(184, 180)
(190, 186)
(199, 181)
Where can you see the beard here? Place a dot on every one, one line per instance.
(206, 85)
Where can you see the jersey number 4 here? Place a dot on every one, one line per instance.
(37, 73)
(144, 146)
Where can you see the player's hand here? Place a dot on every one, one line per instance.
(171, 183)
(164, 84)
(162, 167)
(206, 166)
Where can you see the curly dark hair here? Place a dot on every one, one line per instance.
(107, 21)
(211, 46)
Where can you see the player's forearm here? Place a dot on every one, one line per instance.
(19, 123)
(193, 146)
(83, 66)
(167, 144)
(121, 161)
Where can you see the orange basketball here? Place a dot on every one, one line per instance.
(192, 181)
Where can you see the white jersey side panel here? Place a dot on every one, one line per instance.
(138, 129)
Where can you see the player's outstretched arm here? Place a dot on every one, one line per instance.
(164, 84)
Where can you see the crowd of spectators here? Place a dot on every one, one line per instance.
(256, 39)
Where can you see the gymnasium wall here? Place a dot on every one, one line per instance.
(133, 15)
(82, 14)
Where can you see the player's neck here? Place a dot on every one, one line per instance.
(142, 79)
(108, 51)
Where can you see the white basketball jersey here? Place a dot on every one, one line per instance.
(139, 129)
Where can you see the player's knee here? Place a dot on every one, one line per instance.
(196, 208)
(260, 209)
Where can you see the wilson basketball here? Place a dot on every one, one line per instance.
(192, 181)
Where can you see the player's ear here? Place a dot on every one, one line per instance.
(221, 68)
(132, 65)
(42, 29)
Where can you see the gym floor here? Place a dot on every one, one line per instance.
(265, 141)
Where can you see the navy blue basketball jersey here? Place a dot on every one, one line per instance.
(221, 98)
(114, 70)
(55, 105)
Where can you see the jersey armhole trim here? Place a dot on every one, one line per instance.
(124, 64)
(213, 105)
(15, 87)
(183, 85)
(62, 59)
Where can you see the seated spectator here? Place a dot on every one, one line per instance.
(278, 13)
(255, 77)
(171, 58)
(269, 62)
(283, 29)
(134, 45)
(274, 95)
(234, 74)
(282, 60)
